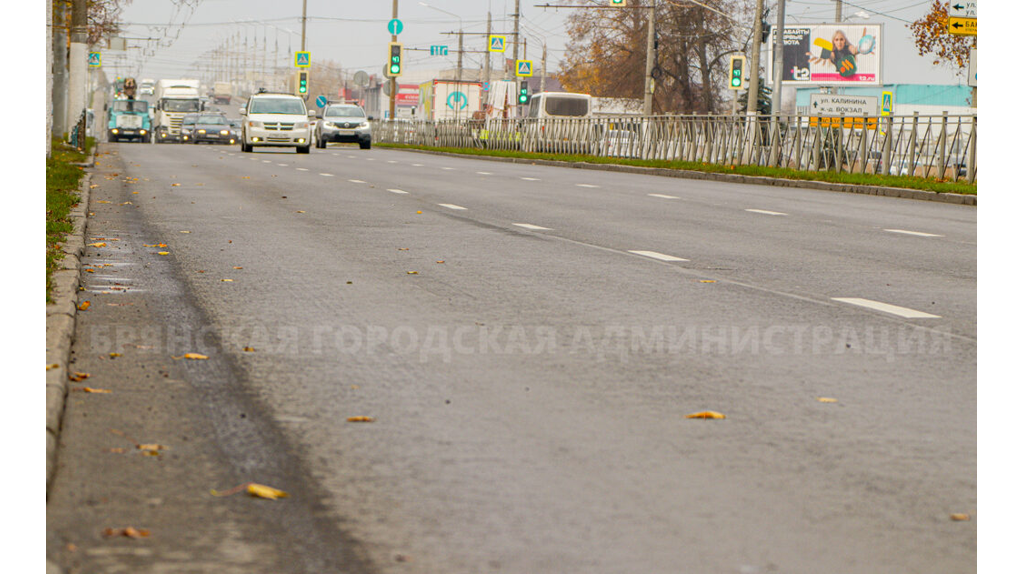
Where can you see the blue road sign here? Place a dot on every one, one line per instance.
(395, 27)
(95, 60)
(496, 43)
(439, 50)
(524, 68)
(321, 101)
(303, 59)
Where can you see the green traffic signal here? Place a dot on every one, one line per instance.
(395, 59)
(524, 92)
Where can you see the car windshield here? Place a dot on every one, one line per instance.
(181, 105)
(129, 106)
(573, 107)
(189, 119)
(235, 123)
(278, 106)
(344, 112)
(213, 120)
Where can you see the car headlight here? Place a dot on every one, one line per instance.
(364, 125)
(255, 124)
(113, 131)
(202, 131)
(301, 125)
(223, 132)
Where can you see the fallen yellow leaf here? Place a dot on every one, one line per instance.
(92, 390)
(236, 268)
(708, 281)
(412, 272)
(361, 419)
(102, 201)
(153, 447)
(114, 355)
(84, 306)
(195, 356)
(228, 280)
(79, 377)
(441, 261)
(300, 211)
(706, 415)
(263, 491)
(960, 516)
(175, 185)
(97, 244)
(249, 349)
(52, 366)
(826, 400)
(128, 531)
(184, 232)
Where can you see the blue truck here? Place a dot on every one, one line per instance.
(129, 120)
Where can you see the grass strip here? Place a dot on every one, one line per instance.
(906, 182)
(62, 181)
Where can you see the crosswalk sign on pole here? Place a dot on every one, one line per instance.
(524, 68)
(303, 59)
(95, 60)
(496, 43)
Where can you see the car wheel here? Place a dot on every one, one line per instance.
(364, 145)
(302, 149)
(246, 148)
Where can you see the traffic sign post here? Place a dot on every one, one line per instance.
(524, 68)
(496, 43)
(321, 101)
(303, 59)
(95, 60)
(963, 17)
(395, 26)
(886, 103)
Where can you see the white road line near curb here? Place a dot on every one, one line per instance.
(356, 181)
(662, 196)
(327, 174)
(886, 308)
(451, 206)
(417, 165)
(484, 173)
(529, 179)
(399, 191)
(765, 212)
(447, 168)
(917, 233)
(659, 256)
(301, 169)
(586, 185)
(266, 161)
(531, 226)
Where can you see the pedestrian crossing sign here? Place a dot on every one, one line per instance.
(303, 59)
(496, 43)
(524, 68)
(95, 60)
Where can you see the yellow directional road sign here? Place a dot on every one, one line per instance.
(963, 26)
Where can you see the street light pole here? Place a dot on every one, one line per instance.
(755, 61)
(780, 24)
(303, 25)
(649, 68)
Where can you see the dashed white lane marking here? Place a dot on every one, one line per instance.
(659, 256)
(886, 308)
(917, 233)
(301, 169)
(370, 158)
(417, 165)
(663, 196)
(392, 161)
(356, 181)
(447, 168)
(327, 174)
(399, 191)
(351, 157)
(531, 226)
(452, 206)
(335, 154)
(529, 179)
(765, 212)
(266, 161)
(283, 164)
(586, 185)
(484, 173)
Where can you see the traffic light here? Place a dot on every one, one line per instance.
(736, 65)
(617, 2)
(524, 92)
(394, 59)
(302, 83)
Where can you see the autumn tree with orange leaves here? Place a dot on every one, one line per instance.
(931, 36)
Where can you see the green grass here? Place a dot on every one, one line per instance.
(929, 184)
(62, 180)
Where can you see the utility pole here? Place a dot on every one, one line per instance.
(649, 68)
(487, 50)
(839, 10)
(458, 72)
(515, 47)
(79, 37)
(780, 24)
(393, 82)
(303, 49)
(49, 75)
(755, 61)
(544, 67)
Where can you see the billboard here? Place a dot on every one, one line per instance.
(830, 55)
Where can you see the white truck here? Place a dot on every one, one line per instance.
(174, 99)
(222, 92)
(449, 100)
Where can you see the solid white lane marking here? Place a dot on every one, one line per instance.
(663, 196)
(765, 212)
(451, 206)
(398, 191)
(886, 308)
(659, 256)
(301, 169)
(357, 181)
(586, 185)
(484, 173)
(327, 174)
(917, 233)
(529, 179)
(531, 226)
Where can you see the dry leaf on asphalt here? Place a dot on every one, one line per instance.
(102, 201)
(52, 366)
(706, 415)
(412, 272)
(959, 516)
(175, 185)
(163, 252)
(195, 356)
(361, 419)
(228, 280)
(78, 377)
(826, 400)
(236, 267)
(127, 531)
(100, 391)
(151, 447)
(300, 211)
(97, 244)
(257, 490)
(249, 349)
(184, 232)
(115, 355)
(708, 281)
(85, 305)
(441, 261)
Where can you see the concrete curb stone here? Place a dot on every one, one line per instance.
(60, 325)
(899, 192)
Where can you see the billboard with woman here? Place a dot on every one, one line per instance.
(830, 55)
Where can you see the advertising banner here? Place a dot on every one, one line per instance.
(830, 55)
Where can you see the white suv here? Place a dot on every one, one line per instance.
(275, 120)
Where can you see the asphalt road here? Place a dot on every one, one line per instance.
(530, 339)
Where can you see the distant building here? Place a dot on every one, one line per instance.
(925, 99)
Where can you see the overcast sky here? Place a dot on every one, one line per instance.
(354, 32)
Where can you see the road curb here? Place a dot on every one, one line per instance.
(60, 323)
(899, 192)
